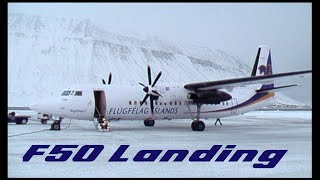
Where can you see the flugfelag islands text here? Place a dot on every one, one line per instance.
(137, 110)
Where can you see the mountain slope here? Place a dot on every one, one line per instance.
(47, 54)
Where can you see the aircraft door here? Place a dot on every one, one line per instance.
(100, 103)
(234, 102)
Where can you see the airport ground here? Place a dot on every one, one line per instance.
(258, 130)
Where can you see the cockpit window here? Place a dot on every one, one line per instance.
(65, 93)
(78, 93)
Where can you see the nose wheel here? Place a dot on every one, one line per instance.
(56, 124)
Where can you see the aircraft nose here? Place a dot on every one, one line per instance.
(34, 106)
(38, 106)
(45, 105)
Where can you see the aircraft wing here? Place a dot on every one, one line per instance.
(231, 83)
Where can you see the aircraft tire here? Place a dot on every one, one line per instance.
(149, 122)
(193, 126)
(198, 125)
(55, 126)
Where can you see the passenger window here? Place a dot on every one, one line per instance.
(146, 103)
(78, 93)
(165, 104)
(135, 102)
(227, 103)
(129, 102)
(170, 103)
(156, 102)
(175, 103)
(180, 103)
(63, 94)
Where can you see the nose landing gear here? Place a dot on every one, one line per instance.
(56, 124)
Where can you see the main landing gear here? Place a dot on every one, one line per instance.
(198, 125)
(56, 124)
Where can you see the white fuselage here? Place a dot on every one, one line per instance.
(123, 103)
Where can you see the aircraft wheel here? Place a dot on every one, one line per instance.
(193, 126)
(149, 122)
(55, 126)
(198, 125)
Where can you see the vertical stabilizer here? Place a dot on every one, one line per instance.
(263, 65)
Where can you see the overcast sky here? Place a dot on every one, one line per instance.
(237, 28)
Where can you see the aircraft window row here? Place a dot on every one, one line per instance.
(160, 103)
(71, 93)
(222, 103)
(135, 102)
(156, 103)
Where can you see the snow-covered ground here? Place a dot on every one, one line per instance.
(261, 130)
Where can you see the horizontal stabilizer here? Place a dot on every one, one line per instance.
(274, 89)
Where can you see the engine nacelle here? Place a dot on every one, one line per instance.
(209, 97)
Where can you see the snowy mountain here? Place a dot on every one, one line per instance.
(47, 54)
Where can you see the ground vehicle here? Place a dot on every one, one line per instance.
(43, 118)
(21, 119)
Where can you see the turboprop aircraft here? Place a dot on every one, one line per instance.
(152, 101)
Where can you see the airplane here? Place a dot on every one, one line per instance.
(195, 101)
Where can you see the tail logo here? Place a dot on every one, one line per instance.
(263, 69)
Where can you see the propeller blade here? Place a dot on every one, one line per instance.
(142, 85)
(103, 81)
(144, 99)
(109, 80)
(155, 92)
(151, 104)
(157, 78)
(149, 75)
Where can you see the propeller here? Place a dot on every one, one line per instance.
(109, 79)
(150, 91)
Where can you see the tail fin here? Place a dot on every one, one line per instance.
(262, 65)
